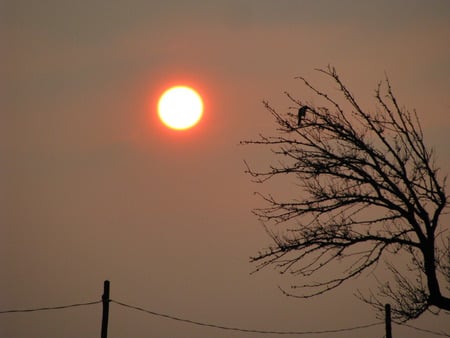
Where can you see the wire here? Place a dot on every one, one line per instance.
(222, 327)
(50, 308)
(425, 330)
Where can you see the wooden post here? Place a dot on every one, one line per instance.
(105, 299)
(387, 309)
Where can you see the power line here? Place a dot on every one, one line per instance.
(425, 330)
(222, 327)
(50, 308)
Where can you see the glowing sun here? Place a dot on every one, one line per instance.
(180, 107)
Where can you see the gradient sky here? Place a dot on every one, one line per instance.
(94, 188)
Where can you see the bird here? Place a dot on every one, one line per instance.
(302, 113)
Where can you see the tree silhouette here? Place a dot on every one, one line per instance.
(369, 190)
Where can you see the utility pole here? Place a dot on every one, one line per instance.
(387, 309)
(105, 300)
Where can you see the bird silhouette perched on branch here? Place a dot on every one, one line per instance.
(301, 114)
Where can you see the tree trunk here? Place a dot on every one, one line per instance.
(435, 297)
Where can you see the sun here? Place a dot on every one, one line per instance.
(180, 107)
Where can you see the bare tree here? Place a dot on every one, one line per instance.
(368, 188)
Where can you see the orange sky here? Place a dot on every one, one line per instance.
(94, 188)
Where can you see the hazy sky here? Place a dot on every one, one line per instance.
(94, 188)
